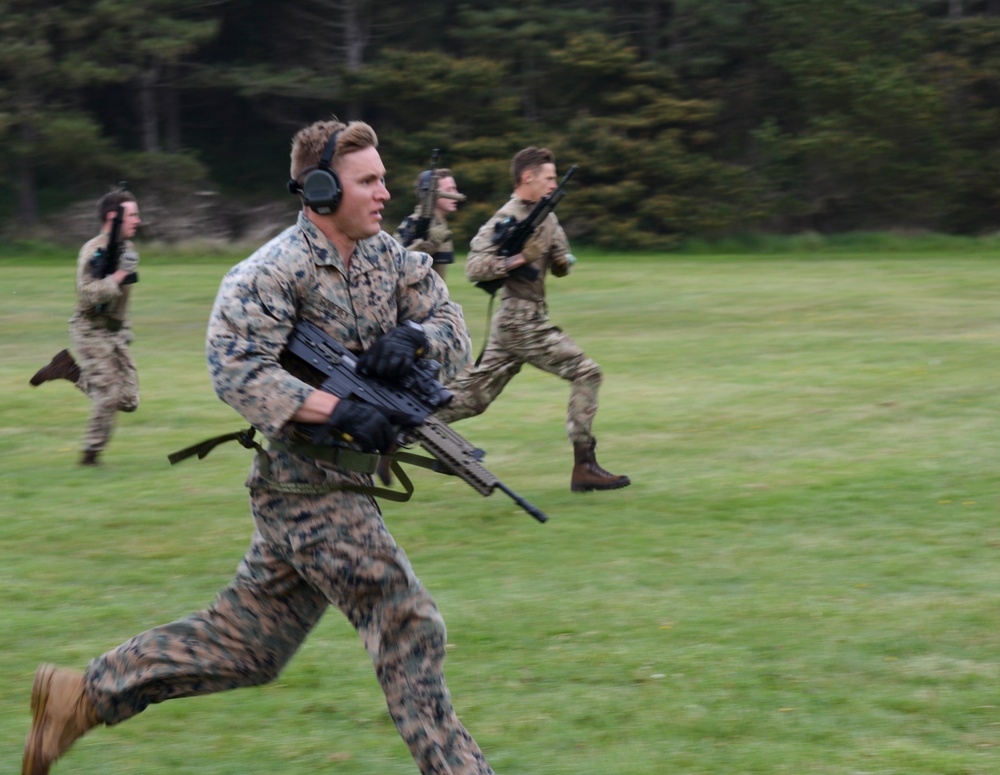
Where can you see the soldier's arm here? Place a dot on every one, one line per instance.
(91, 290)
(483, 263)
(560, 260)
(251, 320)
(423, 298)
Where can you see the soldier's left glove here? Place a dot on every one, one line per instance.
(129, 261)
(422, 246)
(394, 354)
(439, 233)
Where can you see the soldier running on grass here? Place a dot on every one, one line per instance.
(521, 331)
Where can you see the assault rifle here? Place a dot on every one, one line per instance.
(105, 261)
(414, 229)
(410, 406)
(512, 235)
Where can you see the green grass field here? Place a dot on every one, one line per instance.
(804, 576)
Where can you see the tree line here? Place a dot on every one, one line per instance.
(686, 117)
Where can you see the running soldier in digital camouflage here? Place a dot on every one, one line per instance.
(438, 242)
(100, 331)
(521, 331)
(315, 544)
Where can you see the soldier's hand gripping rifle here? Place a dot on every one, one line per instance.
(417, 229)
(105, 261)
(410, 405)
(512, 235)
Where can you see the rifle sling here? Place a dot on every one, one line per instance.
(489, 323)
(362, 462)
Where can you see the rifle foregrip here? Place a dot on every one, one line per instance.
(462, 460)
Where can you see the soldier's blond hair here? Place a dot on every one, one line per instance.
(309, 143)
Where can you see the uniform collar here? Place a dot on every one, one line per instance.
(326, 254)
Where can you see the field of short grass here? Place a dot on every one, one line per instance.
(804, 576)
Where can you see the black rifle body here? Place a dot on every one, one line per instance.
(409, 405)
(105, 260)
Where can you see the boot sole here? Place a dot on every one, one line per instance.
(39, 700)
(592, 487)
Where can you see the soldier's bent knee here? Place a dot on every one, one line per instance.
(589, 371)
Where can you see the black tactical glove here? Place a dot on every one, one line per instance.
(361, 424)
(394, 353)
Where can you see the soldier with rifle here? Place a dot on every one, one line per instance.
(319, 540)
(99, 329)
(510, 256)
(426, 229)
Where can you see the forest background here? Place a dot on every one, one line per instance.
(687, 117)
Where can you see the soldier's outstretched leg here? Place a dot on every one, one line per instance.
(588, 474)
(62, 366)
(61, 714)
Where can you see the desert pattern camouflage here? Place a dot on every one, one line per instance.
(521, 331)
(309, 551)
(108, 377)
(438, 243)
(100, 333)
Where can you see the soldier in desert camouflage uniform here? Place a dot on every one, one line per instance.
(438, 242)
(100, 331)
(315, 543)
(521, 331)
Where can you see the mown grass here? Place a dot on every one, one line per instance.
(802, 578)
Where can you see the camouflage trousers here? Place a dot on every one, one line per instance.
(107, 376)
(522, 333)
(307, 552)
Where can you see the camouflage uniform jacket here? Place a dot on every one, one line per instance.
(548, 249)
(106, 292)
(300, 275)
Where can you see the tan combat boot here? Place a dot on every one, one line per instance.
(588, 474)
(62, 366)
(60, 714)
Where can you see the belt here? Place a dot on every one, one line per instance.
(363, 462)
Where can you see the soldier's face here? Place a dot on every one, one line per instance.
(540, 182)
(362, 177)
(130, 220)
(447, 186)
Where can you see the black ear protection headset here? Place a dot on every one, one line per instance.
(320, 187)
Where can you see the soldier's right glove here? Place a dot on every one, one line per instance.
(535, 248)
(360, 424)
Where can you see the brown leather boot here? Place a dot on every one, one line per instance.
(62, 366)
(61, 714)
(588, 474)
(89, 458)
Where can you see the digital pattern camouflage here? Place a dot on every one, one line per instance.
(309, 551)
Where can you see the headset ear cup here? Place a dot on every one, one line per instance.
(321, 191)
